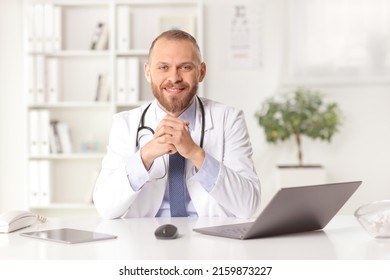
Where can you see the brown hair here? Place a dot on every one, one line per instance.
(177, 35)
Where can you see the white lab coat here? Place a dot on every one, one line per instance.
(235, 193)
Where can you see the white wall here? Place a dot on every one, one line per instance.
(359, 152)
(12, 120)
(246, 89)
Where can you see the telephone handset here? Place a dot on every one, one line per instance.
(17, 219)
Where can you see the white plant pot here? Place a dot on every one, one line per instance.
(291, 176)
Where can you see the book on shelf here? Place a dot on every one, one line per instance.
(99, 39)
(64, 136)
(103, 88)
(55, 144)
(60, 138)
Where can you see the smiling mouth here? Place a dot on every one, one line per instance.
(174, 90)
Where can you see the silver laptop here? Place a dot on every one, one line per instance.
(291, 210)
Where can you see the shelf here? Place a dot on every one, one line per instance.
(79, 53)
(82, 3)
(64, 105)
(73, 53)
(86, 105)
(74, 156)
(139, 52)
(63, 78)
(157, 2)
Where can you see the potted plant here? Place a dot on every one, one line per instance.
(298, 113)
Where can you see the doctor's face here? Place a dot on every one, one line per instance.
(174, 71)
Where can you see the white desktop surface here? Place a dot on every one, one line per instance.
(343, 238)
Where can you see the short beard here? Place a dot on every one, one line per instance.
(175, 105)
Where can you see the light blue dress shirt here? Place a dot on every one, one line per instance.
(206, 175)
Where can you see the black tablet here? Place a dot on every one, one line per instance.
(68, 235)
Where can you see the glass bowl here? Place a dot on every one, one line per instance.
(375, 218)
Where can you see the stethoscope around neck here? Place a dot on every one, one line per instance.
(142, 125)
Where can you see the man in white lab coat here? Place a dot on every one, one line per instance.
(213, 138)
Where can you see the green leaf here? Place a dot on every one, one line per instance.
(301, 112)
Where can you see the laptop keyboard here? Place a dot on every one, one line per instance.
(236, 230)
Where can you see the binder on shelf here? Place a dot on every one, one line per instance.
(43, 131)
(123, 28)
(57, 28)
(103, 88)
(39, 143)
(30, 27)
(34, 132)
(99, 39)
(40, 78)
(38, 26)
(52, 84)
(44, 24)
(36, 80)
(133, 79)
(121, 79)
(44, 182)
(127, 80)
(33, 183)
(39, 183)
(31, 87)
(48, 32)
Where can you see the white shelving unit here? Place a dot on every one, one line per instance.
(62, 80)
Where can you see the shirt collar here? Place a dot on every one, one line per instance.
(188, 115)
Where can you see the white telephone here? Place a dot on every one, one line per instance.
(17, 219)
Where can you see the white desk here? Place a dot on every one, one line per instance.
(343, 238)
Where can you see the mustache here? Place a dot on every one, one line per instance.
(175, 85)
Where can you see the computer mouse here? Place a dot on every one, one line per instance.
(166, 231)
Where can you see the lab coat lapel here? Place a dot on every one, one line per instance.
(197, 132)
